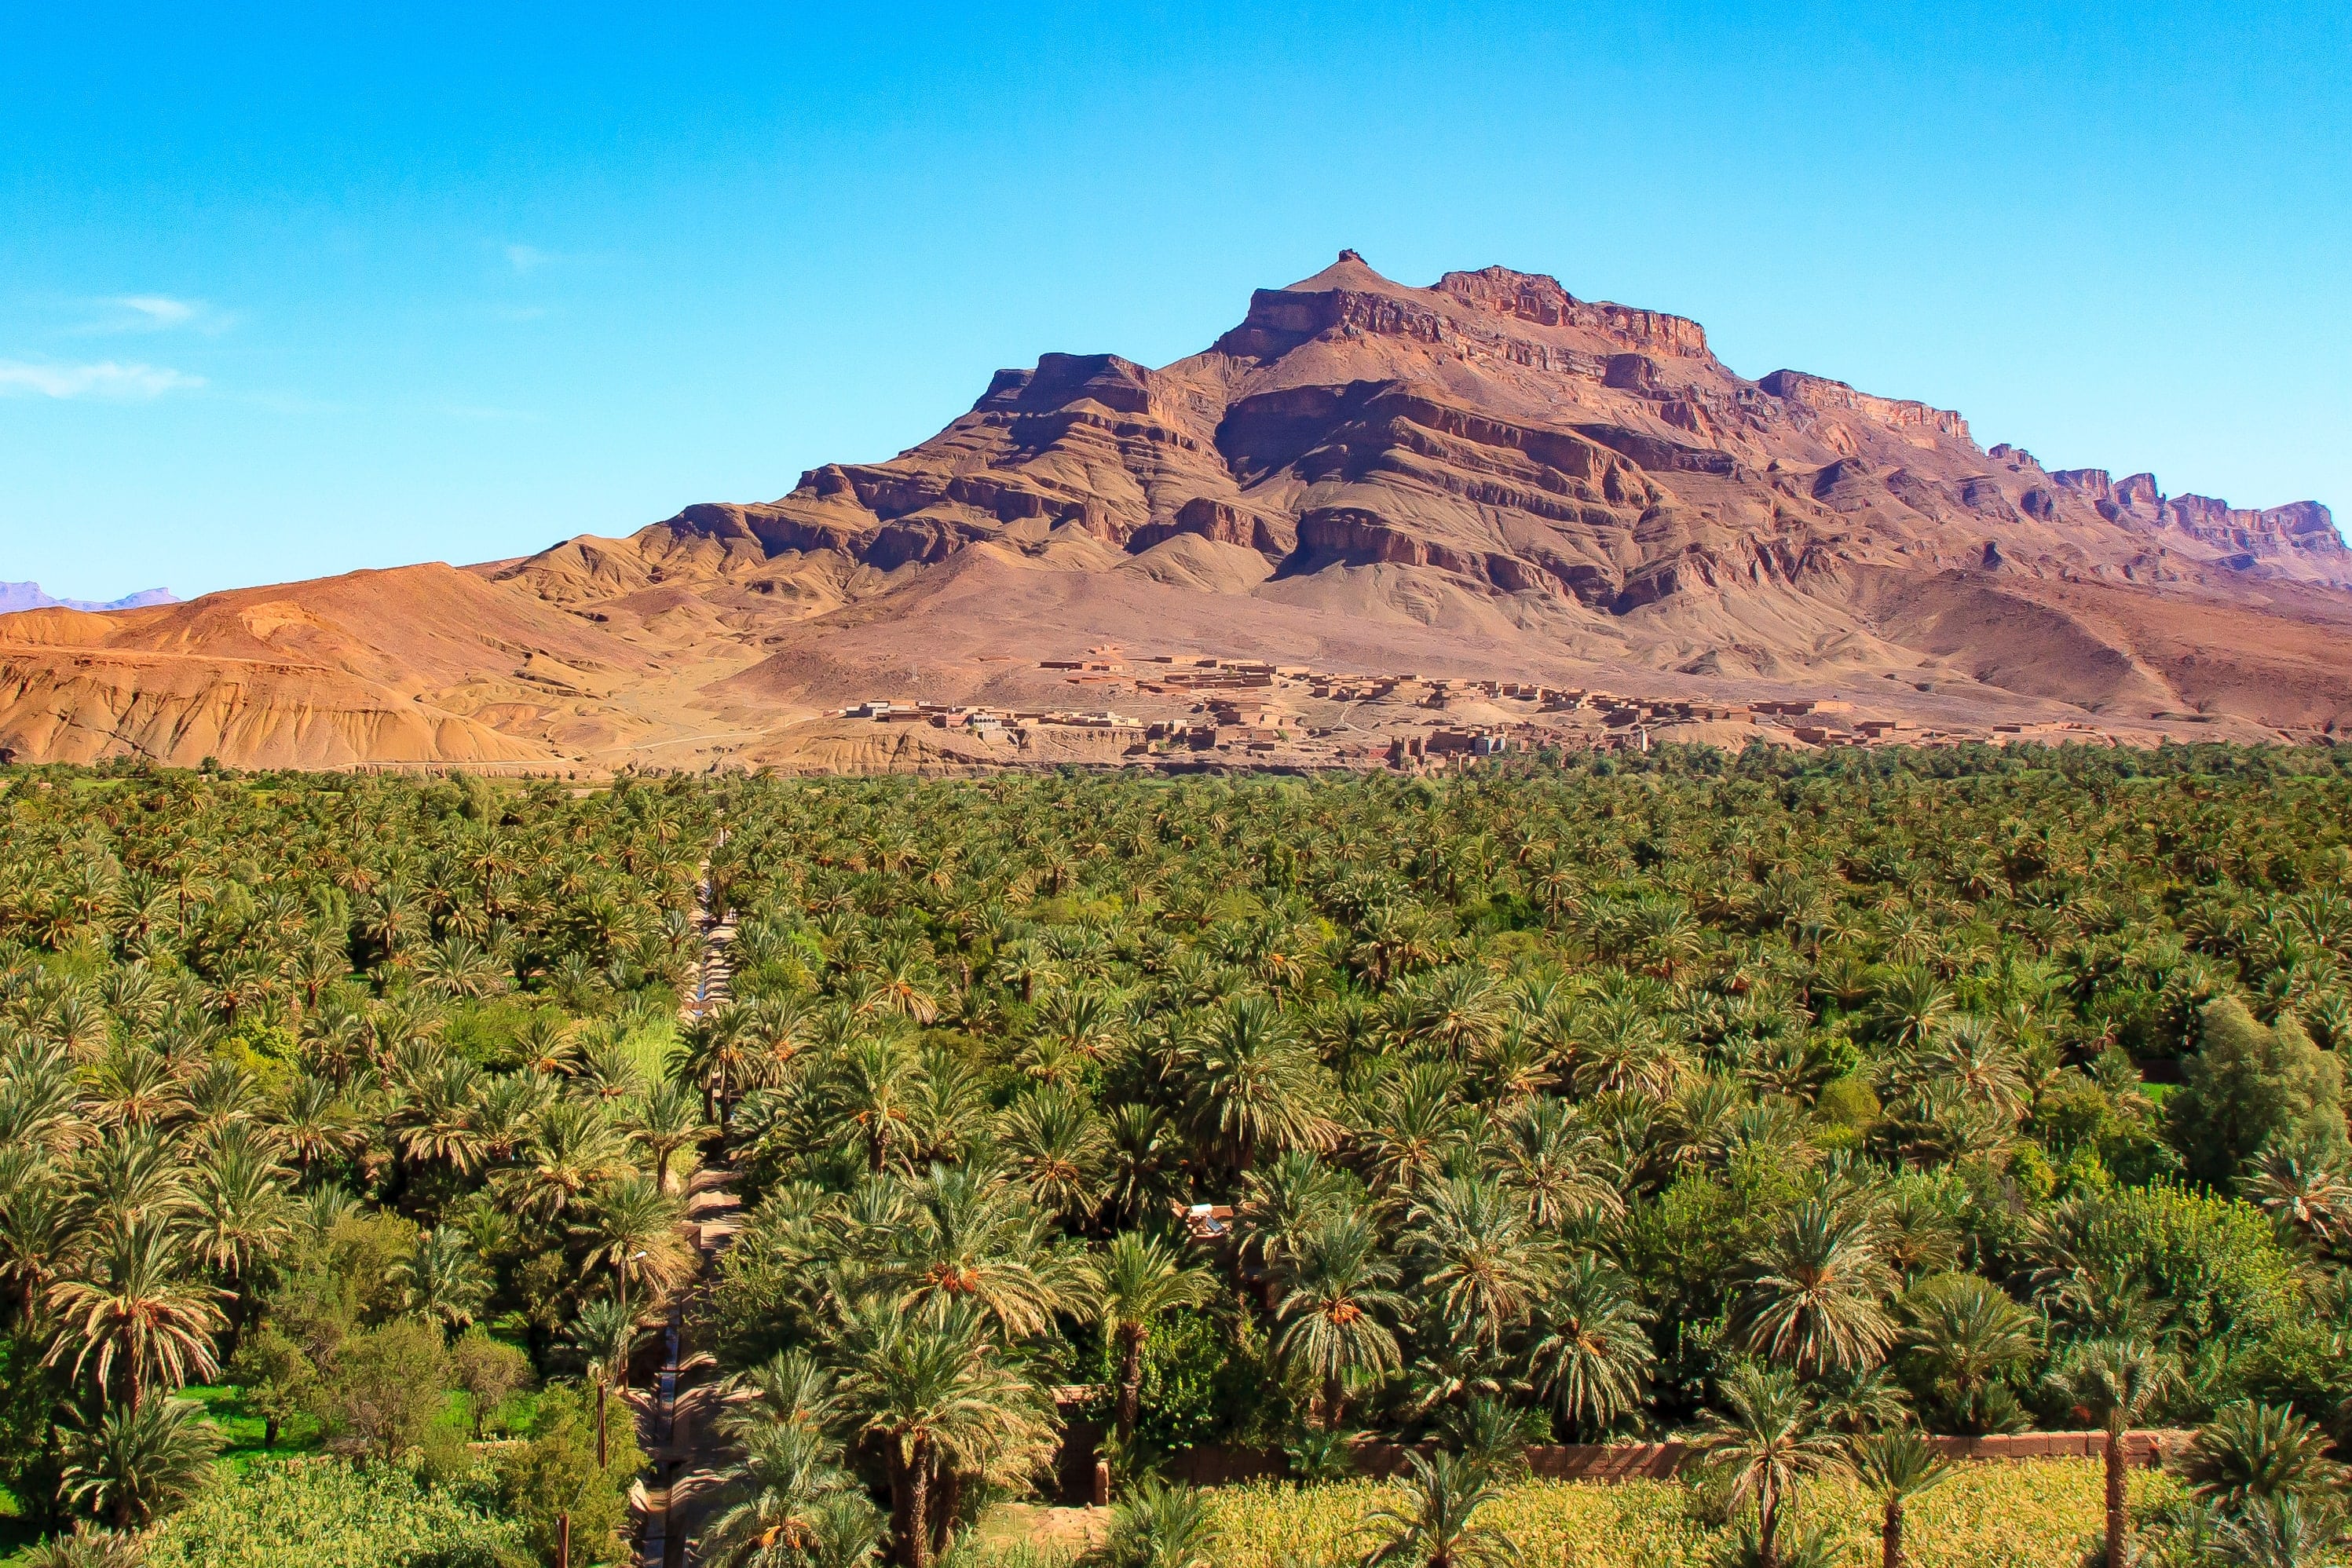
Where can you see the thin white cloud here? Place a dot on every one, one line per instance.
(158, 310)
(107, 379)
(157, 313)
(527, 257)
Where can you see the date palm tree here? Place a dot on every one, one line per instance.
(1619, 1045)
(1141, 1169)
(1593, 1353)
(1477, 1261)
(773, 1033)
(1284, 1199)
(973, 1239)
(1437, 1525)
(946, 1407)
(1162, 1526)
(633, 1226)
(664, 1121)
(1458, 1011)
(571, 1151)
(1422, 1121)
(2251, 1449)
(238, 1213)
(1761, 1442)
(120, 1180)
(1255, 1087)
(1911, 1002)
(872, 1091)
(2115, 1383)
(1132, 1283)
(1087, 1023)
(135, 1089)
(1336, 1291)
(39, 1094)
(899, 979)
(458, 966)
(314, 1122)
(1965, 1333)
(1058, 1146)
(441, 1278)
(504, 1113)
(605, 1335)
(788, 1502)
(548, 1043)
(791, 1387)
(1892, 1468)
(1559, 1165)
(132, 1463)
(36, 1228)
(1811, 1293)
(435, 1112)
(135, 1309)
(720, 1055)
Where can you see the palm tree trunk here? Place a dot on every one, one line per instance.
(1767, 1521)
(2114, 1458)
(1891, 1535)
(1130, 1385)
(910, 1508)
(947, 1491)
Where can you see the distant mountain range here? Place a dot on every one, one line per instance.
(15, 596)
(1486, 479)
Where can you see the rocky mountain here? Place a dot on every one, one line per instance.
(15, 596)
(1486, 477)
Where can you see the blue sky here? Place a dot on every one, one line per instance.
(283, 293)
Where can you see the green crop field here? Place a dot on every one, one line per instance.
(2030, 1514)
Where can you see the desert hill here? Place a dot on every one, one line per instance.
(1485, 479)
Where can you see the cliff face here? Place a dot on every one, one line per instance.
(1499, 428)
(1487, 475)
(2299, 533)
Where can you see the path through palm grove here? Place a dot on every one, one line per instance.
(397, 1169)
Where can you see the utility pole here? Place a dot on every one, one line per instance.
(563, 1539)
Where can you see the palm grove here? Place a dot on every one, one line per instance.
(1797, 1104)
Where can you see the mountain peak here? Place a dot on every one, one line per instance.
(1351, 271)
